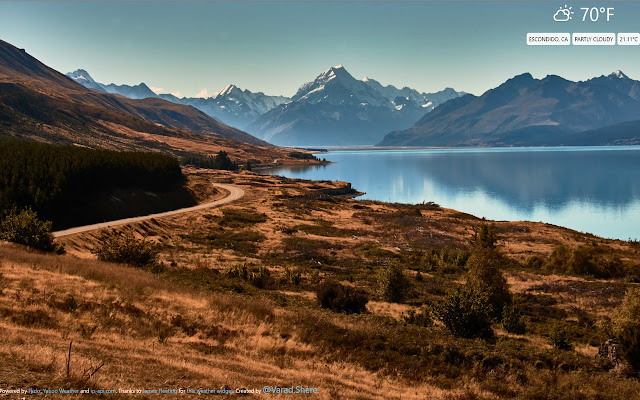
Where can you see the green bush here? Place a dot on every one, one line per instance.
(259, 277)
(25, 228)
(484, 275)
(584, 260)
(484, 236)
(392, 284)
(292, 276)
(512, 320)
(124, 248)
(336, 297)
(466, 312)
(535, 262)
(559, 338)
(236, 218)
(625, 323)
(422, 317)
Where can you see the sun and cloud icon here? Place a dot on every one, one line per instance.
(563, 14)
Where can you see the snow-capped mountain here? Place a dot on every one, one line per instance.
(232, 105)
(427, 101)
(140, 91)
(525, 111)
(338, 109)
(336, 86)
(333, 109)
(82, 77)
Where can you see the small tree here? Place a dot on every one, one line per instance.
(421, 317)
(224, 162)
(484, 274)
(466, 312)
(512, 320)
(392, 284)
(25, 228)
(123, 247)
(334, 296)
(559, 338)
(484, 236)
(625, 324)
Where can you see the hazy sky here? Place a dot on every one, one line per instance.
(275, 47)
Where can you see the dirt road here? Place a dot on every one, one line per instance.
(234, 194)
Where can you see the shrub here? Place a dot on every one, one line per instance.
(484, 236)
(292, 276)
(484, 275)
(236, 218)
(625, 323)
(512, 320)
(87, 331)
(466, 312)
(336, 297)
(422, 317)
(258, 277)
(535, 262)
(392, 284)
(584, 260)
(25, 228)
(124, 248)
(559, 338)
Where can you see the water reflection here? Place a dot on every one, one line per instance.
(590, 189)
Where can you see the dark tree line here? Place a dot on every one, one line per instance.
(220, 161)
(49, 178)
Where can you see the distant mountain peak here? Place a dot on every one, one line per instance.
(335, 72)
(227, 90)
(522, 77)
(80, 74)
(619, 74)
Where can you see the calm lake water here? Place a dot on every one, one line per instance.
(590, 189)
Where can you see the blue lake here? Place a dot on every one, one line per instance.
(590, 189)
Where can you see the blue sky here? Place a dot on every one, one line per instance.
(275, 47)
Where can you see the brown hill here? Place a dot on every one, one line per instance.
(39, 103)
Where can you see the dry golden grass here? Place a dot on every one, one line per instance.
(251, 351)
(248, 340)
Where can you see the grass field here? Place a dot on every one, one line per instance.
(203, 323)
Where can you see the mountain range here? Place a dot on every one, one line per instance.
(231, 105)
(39, 103)
(525, 111)
(337, 109)
(334, 109)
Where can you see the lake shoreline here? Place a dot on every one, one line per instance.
(588, 189)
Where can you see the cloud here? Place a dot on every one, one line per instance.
(562, 16)
(203, 93)
(156, 90)
(177, 94)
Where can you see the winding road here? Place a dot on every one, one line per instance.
(234, 194)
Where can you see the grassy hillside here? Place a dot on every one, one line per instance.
(236, 303)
